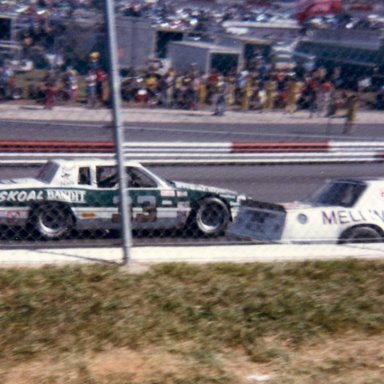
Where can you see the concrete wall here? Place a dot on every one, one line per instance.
(284, 31)
(247, 46)
(365, 39)
(135, 40)
(202, 55)
(182, 56)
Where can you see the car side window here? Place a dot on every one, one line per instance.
(138, 179)
(84, 176)
(106, 177)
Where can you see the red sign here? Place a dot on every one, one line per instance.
(311, 8)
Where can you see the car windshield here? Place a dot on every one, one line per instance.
(47, 172)
(138, 179)
(337, 193)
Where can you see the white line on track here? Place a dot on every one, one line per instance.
(194, 131)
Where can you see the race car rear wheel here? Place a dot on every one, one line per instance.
(361, 235)
(53, 221)
(211, 216)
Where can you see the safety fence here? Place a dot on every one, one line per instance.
(178, 153)
(103, 59)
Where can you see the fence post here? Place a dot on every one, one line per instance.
(114, 80)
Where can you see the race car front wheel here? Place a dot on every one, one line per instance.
(211, 216)
(53, 221)
(361, 235)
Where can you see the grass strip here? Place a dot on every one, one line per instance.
(88, 309)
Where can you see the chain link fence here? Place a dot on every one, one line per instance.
(242, 104)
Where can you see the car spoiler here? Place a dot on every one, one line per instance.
(262, 205)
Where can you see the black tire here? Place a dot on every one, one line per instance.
(361, 235)
(211, 216)
(53, 221)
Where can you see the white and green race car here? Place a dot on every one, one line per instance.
(84, 194)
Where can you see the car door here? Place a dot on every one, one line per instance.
(152, 206)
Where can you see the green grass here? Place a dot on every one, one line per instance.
(75, 311)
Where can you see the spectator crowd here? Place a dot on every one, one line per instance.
(319, 91)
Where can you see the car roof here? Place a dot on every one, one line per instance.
(94, 161)
(365, 180)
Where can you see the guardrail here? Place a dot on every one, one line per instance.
(37, 152)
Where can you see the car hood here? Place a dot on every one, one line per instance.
(20, 182)
(203, 188)
(291, 206)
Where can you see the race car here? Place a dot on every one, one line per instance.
(340, 211)
(84, 194)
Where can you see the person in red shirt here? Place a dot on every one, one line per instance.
(101, 76)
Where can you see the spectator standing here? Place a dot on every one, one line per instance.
(164, 85)
(246, 93)
(241, 79)
(323, 97)
(101, 78)
(195, 87)
(74, 86)
(177, 91)
(220, 97)
(152, 87)
(312, 98)
(328, 89)
(231, 85)
(90, 81)
(293, 86)
(212, 84)
(70, 84)
(203, 89)
(187, 92)
(8, 80)
(50, 93)
(270, 91)
(350, 117)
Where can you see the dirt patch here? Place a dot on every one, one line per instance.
(349, 359)
(352, 359)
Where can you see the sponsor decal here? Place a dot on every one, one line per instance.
(67, 195)
(227, 196)
(13, 217)
(338, 217)
(198, 187)
(166, 202)
(167, 193)
(88, 215)
(182, 194)
(67, 175)
(116, 217)
(21, 196)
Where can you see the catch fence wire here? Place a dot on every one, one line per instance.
(149, 128)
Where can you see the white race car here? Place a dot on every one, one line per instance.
(341, 211)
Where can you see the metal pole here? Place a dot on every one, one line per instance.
(114, 80)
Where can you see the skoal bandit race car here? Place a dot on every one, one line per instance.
(341, 211)
(84, 194)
